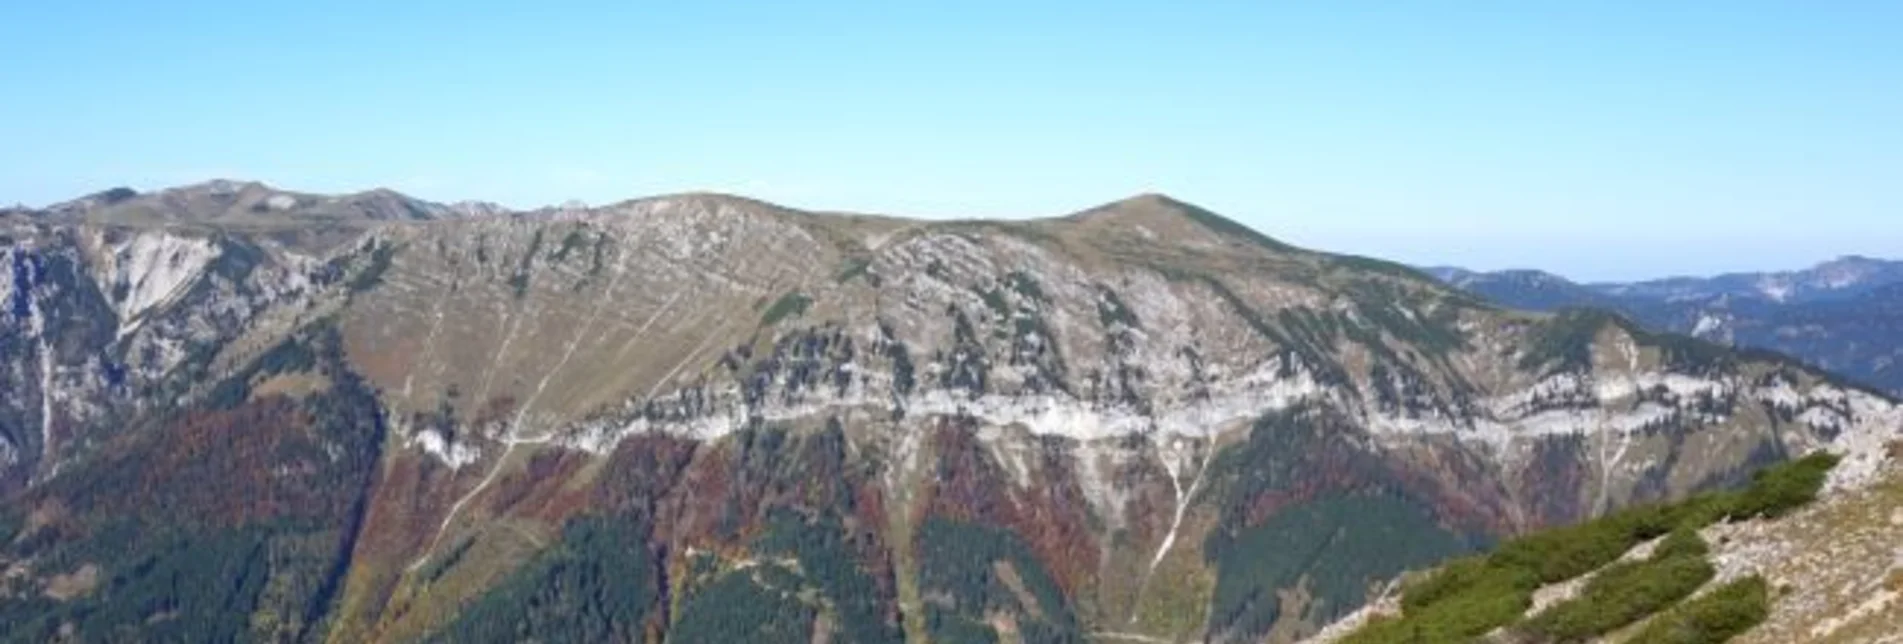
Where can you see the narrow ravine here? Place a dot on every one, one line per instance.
(1175, 465)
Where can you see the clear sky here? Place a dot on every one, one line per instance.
(1596, 139)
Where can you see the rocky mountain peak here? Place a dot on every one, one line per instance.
(702, 201)
(217, 187)
(1155, 217)
(101, 199)
(1148, 207)
(1148, 201)
(1853, 270)
(385, 204)
(469, 208)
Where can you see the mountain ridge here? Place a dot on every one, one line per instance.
(233, 201)
(1143, 424)
(1138, 204)
(1839, 277)
(1848, 320)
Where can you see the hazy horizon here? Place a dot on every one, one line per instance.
(1614, 142)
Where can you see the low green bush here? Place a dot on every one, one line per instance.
(1626, 592)
(1471, 597)
(1485, 598)
(1777, 490)
(1713, 618)
(1683, 542)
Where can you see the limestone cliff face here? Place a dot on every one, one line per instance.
(1139, 421)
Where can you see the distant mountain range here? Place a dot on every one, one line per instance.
(226, 202)
(1845, 315)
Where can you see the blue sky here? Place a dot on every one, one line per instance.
(1601, 140)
